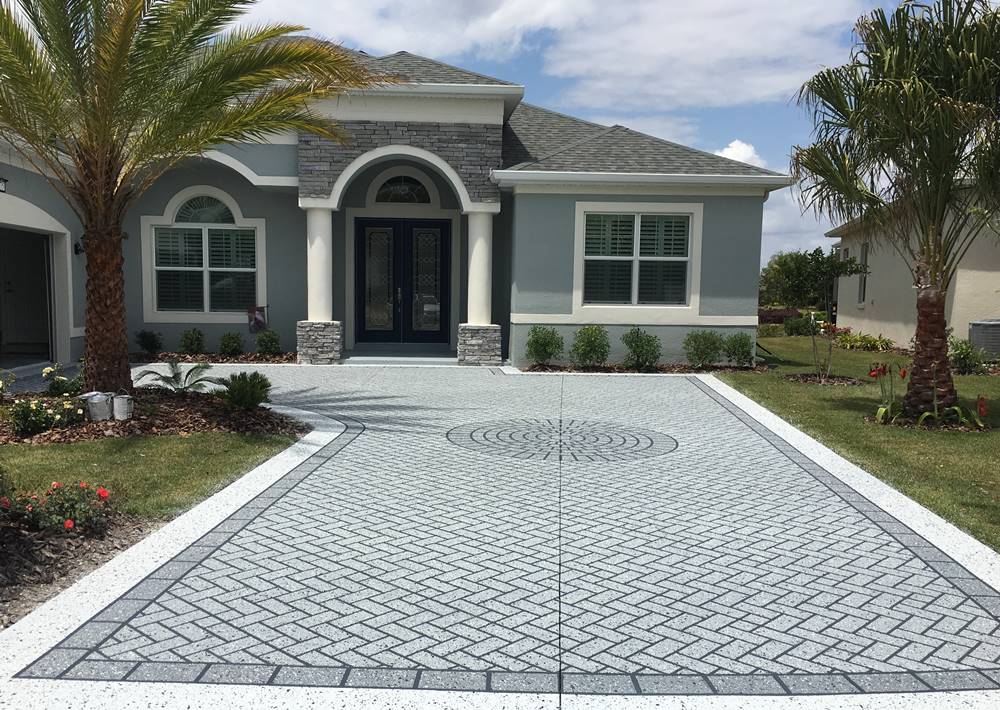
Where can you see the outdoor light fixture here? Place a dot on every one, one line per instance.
(3, 184)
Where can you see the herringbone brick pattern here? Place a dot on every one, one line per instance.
(723, 556)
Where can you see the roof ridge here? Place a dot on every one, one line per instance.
(698, 150)
(571, 144)
(445, 64)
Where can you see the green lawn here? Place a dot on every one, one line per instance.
(955, 474)
(152, 477)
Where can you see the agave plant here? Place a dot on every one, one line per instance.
(179, 379)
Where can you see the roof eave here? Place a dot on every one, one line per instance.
(510, 94)
(511, 178)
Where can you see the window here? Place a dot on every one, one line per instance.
(863, 277)
(403, 188)
(200, 264)
(636, 259)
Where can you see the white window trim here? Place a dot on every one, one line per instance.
(647, 313)
(167, 219)
(404, 171)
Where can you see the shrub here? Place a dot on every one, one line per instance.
(179, 379)
(703, 347)
(268, 343)
(544, 345)
(231, 344)
(738, 349)
(591, 346)
(192, 342)
(770, 330)
(801, 326)
(149, 341)
(966, 358)
(58, 384)
(776, 315)
(863, 341)
(30, 417)
(245, 390)
(644, 349)
(75, 508)
(7, 379)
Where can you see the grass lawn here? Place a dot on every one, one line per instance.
(955, 474)
(151, 477)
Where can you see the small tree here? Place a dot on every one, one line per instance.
(823, 270)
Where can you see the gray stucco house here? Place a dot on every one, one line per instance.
(454, 218)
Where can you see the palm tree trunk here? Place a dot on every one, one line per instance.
(106, 351)
(931, 370)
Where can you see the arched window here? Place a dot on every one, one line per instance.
(204, 210)
(403, 188)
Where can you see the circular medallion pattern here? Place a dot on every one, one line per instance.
(562, 439)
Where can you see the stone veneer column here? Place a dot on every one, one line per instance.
(479, 339)
(319, 339)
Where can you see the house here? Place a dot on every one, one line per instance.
(454, 218)
(884, 301)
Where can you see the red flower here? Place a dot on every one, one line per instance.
(902, 373)
(68, 524)
(102, 493)
(5, 503)
(981, 406)
(83, 484)
(56, 484)
(874, 372)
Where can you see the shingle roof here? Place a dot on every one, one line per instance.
(539, 139)
(423, 70)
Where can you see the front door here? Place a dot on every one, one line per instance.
(402, 280)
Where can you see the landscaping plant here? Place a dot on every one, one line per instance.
(885, 374)
(178, 378)
(192, 342)
(591, 346)
(231, 344)
(33, 416)
(103, 98)
(966, 358)
(703, 348)
(804, 325)
(268, 342)
(770, 330)
(738, 349)
(149, 341)
(905, 150)
(69, 508)
(59, 384)
(245, 390)
(544, 345)
(644, 349)
(862, 341)
(7, 380)
(823, 337)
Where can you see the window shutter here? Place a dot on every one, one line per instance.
(607, 281)
(609, 234)
(180, 291)
(232, 249)
(178, 248)
(664, 235)
(663, 282)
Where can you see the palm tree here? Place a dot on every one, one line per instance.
(104, 96)
(907, 148)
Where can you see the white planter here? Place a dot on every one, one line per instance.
(123, 407)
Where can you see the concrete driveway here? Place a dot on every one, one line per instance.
(476, 530)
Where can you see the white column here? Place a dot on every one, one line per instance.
(480, 268)
(319, 260)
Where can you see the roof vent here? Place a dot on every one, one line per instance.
(985, 334)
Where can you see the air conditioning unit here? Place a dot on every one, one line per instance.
(985, 334)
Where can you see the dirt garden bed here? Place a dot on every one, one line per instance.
(245, 358)
(670, 368)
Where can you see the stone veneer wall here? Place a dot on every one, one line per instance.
(479, 345)
(472, 149)
(319, 342)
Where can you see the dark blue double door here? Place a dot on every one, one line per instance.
(402, 280)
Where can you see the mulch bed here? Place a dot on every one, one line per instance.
(670, 368)
(36, 566)
(245, 358)
(833, 380)
(902, 423)
(159, 412)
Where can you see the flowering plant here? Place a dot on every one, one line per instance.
(7, 379)
(59, 384)
(824, 360)
(33, 416)
(79, 508)
(885, 374)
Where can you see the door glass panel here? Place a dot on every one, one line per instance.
(380, 297)
(426, 280)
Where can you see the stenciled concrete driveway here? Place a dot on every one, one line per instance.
(483, 531)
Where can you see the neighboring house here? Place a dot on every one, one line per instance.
(454, 218)
(884, 302)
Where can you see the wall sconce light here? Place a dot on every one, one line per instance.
(77, 248)
(3, 184)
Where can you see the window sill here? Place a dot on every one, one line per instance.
(194, 317)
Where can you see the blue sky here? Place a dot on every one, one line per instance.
(719, 75)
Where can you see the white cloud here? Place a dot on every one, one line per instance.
(743, 152)
(672, 128)
(786, 228)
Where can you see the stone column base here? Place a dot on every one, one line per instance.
(319, 342)
(479, 345)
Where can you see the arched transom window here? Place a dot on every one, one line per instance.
(403, 188)
(203, 262)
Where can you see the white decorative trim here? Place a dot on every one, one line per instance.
(488, 110)
(18, 213)
(649, 315)
(398, 151)
(148, 223)
(634, 189)
(240, 167)
(646, 314)
(400, 211)
(510, 178)
(404, 171)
